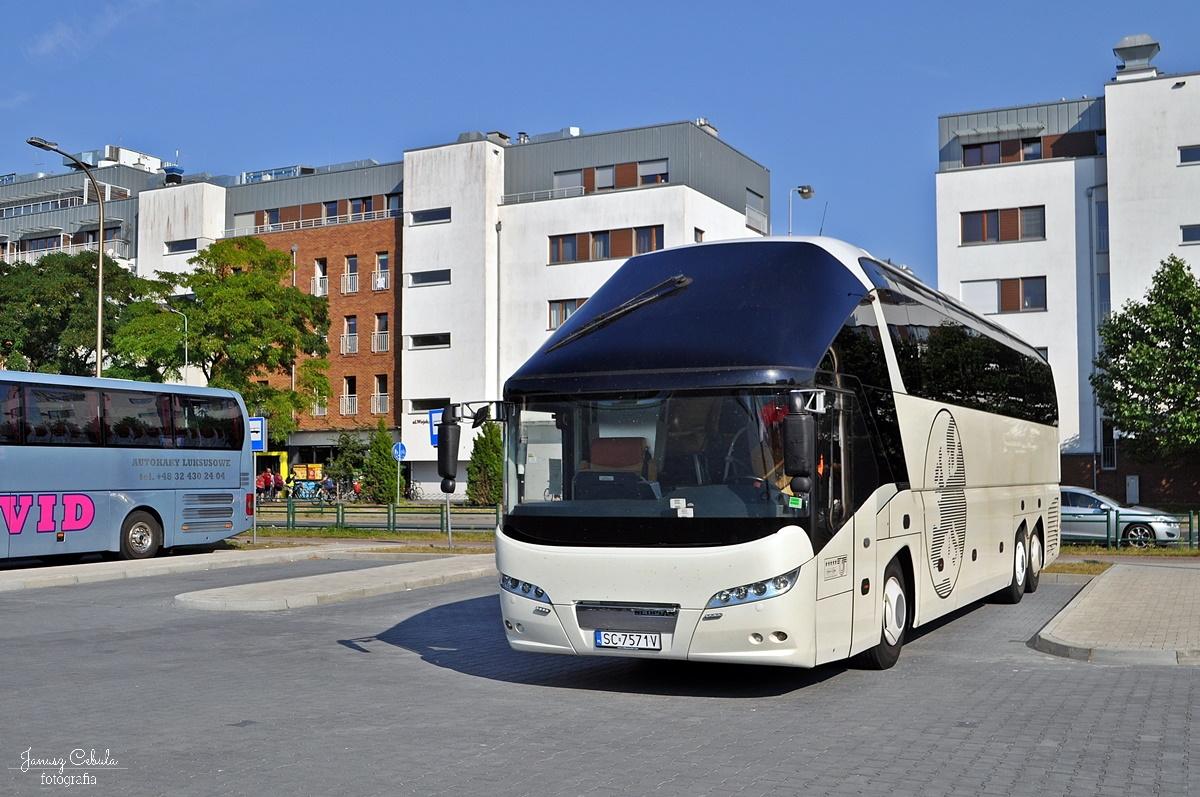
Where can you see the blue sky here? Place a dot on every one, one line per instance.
(843, 96)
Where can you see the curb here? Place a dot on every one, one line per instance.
(292, 593)
(1047, 641)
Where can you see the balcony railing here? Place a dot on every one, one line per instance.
(381, 280)
(350, 344)
(117, 248)
(350, 283)
(537, 196)
(379, 403)
(381, 341)
(307, 224)
(349, 405)
(319, 410)
(320, 286)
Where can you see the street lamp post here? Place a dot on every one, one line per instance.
(185, 337)
(805, 192)
(42, 143)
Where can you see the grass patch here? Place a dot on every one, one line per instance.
(1073, 549)
(1088, 567)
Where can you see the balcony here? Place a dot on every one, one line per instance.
(308, 224)
(117, 249)
(538, 196)
(381, 280)
(350, 344)
(757, 220)
(379, 403)
(320, 286)
(381, 341)
(350, 283)
(319, 411)
(349, 404)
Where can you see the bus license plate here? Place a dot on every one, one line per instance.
(628, 640)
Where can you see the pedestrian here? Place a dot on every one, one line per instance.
(289, 483)
(263, 483)
(277, 486)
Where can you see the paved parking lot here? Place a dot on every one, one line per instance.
(417, 693)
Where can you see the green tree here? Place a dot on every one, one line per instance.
(48, 313)
(349, 454)
(484, 469)
(1148, 373)
(380, 469)
(246, 323)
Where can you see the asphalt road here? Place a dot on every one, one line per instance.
(417, 693)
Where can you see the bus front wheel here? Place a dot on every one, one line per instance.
(141, 536)
(895, 621)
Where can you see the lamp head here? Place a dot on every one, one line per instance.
(805, 191)
(42, 143)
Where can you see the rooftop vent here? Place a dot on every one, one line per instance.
(1136, 53)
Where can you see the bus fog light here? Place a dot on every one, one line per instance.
(779, 636)
(756, 639)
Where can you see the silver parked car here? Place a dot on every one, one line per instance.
(1083, 518)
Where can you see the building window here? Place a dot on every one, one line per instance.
(606, 178)
(1009, 224)
(439, 340)
(563, 248)
(395, 205)
(350, 335)
(982, 226)
(1189, 154)
(648, 239)
(562, 309)
(349, 398)
(185, 245)
(361, 206)
(1101, 227)
(600, 245)
(433, 216)
(381, 279)
(350, 278)
(1033, 223)
(1108, 445)
(698, 235)
(320, 280)
(427, 404)
(379, 399)
(651, 172)
(331, 210)
(381, 338)
(272, 218)
(1191, 233)
(1043, 352)
(439, 276)
(568, 183)
(1031, 149)
(1022, 295)
(981, 154)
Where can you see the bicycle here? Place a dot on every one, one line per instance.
(413, 492)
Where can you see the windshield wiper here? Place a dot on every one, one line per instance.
(659, 291)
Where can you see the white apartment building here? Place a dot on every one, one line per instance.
(505, 238)
(1051, 215)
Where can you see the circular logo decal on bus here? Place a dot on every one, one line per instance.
(946, 511)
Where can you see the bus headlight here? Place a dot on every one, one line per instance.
(523, 588)
(757, 591)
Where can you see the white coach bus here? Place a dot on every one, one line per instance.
(774, 451)
(125, 467)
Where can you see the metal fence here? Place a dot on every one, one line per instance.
(299, 513)
(1110, 529)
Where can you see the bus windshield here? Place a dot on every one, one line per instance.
(665, 468)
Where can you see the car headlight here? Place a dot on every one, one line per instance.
(523, 588)
(756, 591)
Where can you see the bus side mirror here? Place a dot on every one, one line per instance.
(448, 436)
(799, 449)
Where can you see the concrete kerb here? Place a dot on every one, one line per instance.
(327, 588)
(1050, 639)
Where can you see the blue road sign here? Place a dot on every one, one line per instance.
(399, 452)
(258, 434)
(435, 417)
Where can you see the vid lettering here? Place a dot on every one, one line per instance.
(78, 512)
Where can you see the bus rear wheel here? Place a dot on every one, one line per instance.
(1016, 587)
(141, 536)
(1034, 573)
(895, 621)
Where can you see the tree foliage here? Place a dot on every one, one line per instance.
(48, 313)
(349, 454)
(380, 469)
(485, 468)
(246, 323)
(1148, 373)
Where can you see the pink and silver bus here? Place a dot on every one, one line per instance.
(108, 465)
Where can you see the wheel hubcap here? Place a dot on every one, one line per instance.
(139, 538)
(895, 611)
(1138, 537)
(1035, 555)
(1020, 562)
